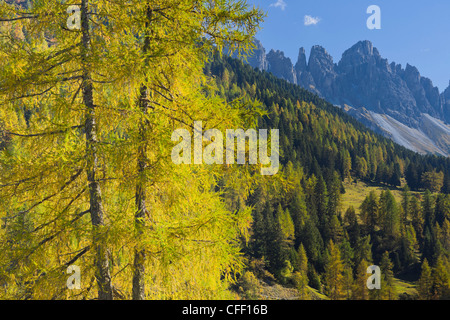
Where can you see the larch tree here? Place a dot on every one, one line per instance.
(79, 106)
(441, 279)
(360, 290)
(387, 291)
(334, 270)
(425, 283)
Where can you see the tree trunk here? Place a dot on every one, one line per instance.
(139, 255)
(102, 272)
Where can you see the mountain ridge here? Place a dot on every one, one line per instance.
(365, 81)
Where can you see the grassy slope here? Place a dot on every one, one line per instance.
(355, 193)
(405, 287)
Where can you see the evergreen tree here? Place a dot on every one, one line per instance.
(428, 209)
(276, 246)
(406, 205)
(312, 241)
(370, 212)
(412, 176)
(389, 215)
(417, 219)
(352, 226)
(363, 250)
(334, 195)
(442, 208)
(299, 214)
(321, 199)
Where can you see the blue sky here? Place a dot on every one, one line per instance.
(415, 31)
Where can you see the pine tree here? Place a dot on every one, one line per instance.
(369, 212)
(363, 250)
(299, 214)
(417, 219)
(445, 235)
(334, 195)
(312, 241)
(428, 209)
(335, 229)
(389, 214)
(442, 208)
(276, 246)
(406, 204)
(352, 226)
(321, 198)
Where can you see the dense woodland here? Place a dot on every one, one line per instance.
(301, 233)
(86, 176)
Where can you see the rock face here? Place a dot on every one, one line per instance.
(367, 80)
(445, 98)
(281, 66)
(323, 71)
(258, 59)
(304, 77)
(362, 78)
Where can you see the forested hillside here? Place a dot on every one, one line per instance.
(301, 233)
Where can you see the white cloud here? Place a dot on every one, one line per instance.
(311, 21)
(279, 4)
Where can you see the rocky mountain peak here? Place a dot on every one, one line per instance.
(320, 56)
(281, 66)
(258, 58)
(367, 83)
(446, 103)
(365, 48)
(301, 64)
(323, 71)
(361, 79)
(362, 53)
